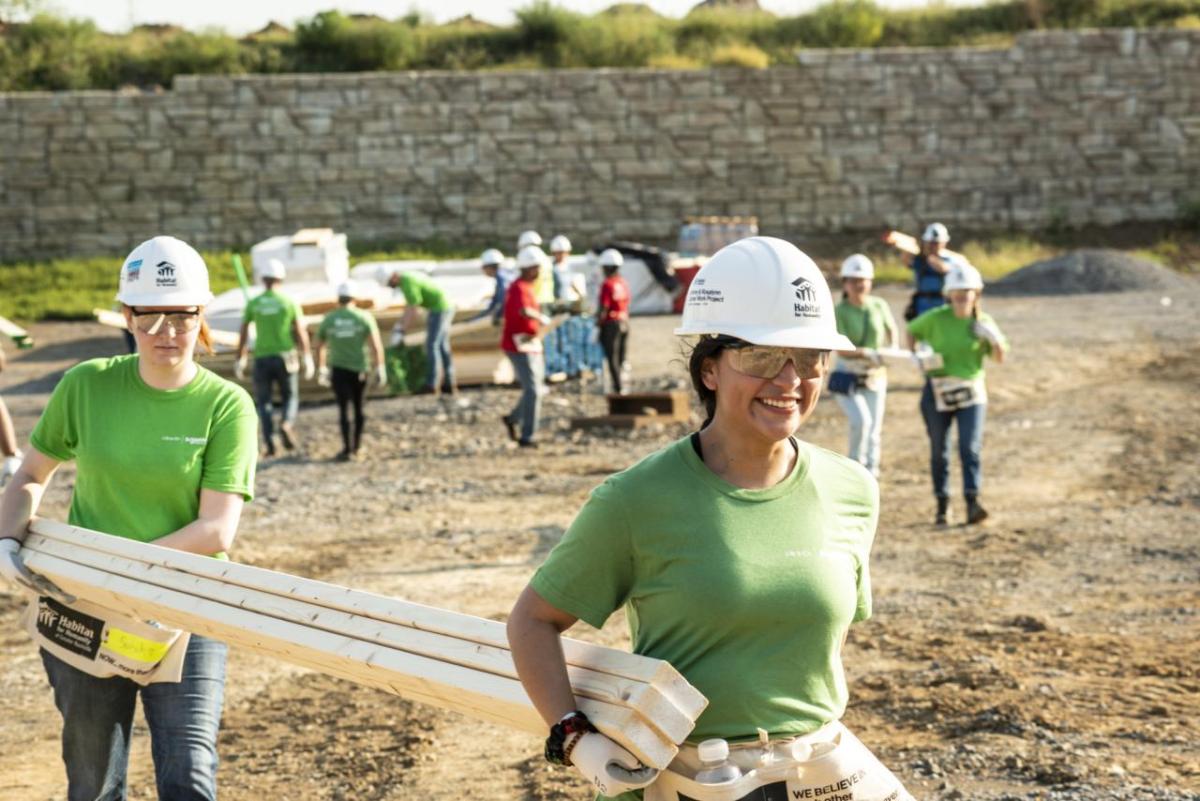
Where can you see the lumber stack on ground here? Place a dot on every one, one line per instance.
(444, 658)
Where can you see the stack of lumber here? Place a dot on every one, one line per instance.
(639, 409)
(447, 659)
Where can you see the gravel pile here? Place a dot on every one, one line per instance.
(1089, 271)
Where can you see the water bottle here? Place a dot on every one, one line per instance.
(714, 755)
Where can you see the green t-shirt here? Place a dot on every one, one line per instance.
(347, 329)
(142, 454)
(421, 291)
(962, 352)
(866, 325)
(748, 593)
(273, 314)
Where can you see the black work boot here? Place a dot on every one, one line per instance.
(943, 506)
(975, 512)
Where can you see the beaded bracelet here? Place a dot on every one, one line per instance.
(574, 723)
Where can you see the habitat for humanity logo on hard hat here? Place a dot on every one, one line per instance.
(166, 274)
(806, 299)
(133, 270)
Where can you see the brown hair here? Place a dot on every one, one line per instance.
(205, 336)
(704, 349)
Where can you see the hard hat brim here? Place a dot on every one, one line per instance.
(773, 337)
(182, 299)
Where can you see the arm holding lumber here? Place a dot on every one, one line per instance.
(214, 528)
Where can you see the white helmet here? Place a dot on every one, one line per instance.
(530, 256)
(935, 232)
(857, 266)
(962, 276)
(346, 289)
(765, 291)
(491, 257)
(275, 269)
(611, 257)
(560, 244)
(164, 271)
(528, 238)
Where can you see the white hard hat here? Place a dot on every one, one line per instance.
(528, 238)
(935, 232)
(346, 289)
(560, 244)
(164, 271)
(491, 257)
(530, 256)
(274, 268)
(765, 291)
(611, 257)
(857, 266)
(962, 276)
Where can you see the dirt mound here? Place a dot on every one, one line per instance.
(1082, 272)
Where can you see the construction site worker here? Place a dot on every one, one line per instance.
(165, 452)
(521, 342)
(960, 335)
(420, 292)
(929, 269)
(859, 380)
(342, 340)
(492, 264)
(278, 330)
(612, 317)
(560, 252)
(740, 552)
(8, 437)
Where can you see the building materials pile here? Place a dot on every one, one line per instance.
(447, 659)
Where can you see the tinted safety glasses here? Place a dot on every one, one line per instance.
(153, 322)
(765, 361)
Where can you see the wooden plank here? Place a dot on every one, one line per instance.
(646, 700)
(482, 695)
(612, 661)
(16, 333)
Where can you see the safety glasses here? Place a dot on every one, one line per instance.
(152, 322)
(765, 361)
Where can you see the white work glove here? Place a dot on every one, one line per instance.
(10, 467)
(397, 338)
(381, 374)
(608, 766)
(239, 368)
(14, 570)
(323, 376)
(872, 355)
(987, 331)
(310, 367)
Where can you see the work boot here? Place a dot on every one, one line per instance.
(288, 435)
(268, 449)
(975, 512)
(343, 455)
(943, 506)
(511, 425)
(527, 443)
(428, 389)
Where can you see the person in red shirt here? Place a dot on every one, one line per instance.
(521, 342)
(612, 316)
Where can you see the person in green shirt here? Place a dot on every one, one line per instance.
(278, 329)
(8, 437)
(420, 292)
(165, 453)
(960, 335)
(859, 383)
(740, 553)
(348, 331)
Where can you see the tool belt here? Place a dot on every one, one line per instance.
(951, 393)
(852, 374)
(829, 764)
(104, 643)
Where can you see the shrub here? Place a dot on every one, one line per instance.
(844, 23)
(332, 42)
(674, 61)
(614, 41)
(738, 55)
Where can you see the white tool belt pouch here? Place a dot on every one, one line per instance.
(291, 361)
(951, 393)
(870, 376)
(104, 643)
(829, 764)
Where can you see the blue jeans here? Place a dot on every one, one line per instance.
(531, 373)
(437, 349)
(970, 444)
(270, 371)
(183, 719)
(864, 409)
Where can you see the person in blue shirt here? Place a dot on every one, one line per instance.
(492, 261)
(929, 270)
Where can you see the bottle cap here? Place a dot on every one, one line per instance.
(715, 750)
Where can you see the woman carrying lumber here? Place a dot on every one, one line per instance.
(164, 452)
(960, 335)
(740, 554)
(859, 381)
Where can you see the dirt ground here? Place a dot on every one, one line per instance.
(1051, 654)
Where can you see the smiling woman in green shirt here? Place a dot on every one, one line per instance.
(740, 553)
(165, 453)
